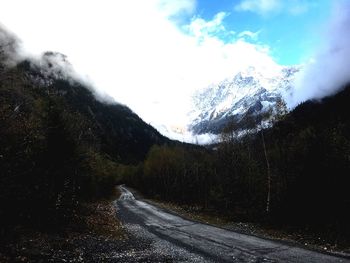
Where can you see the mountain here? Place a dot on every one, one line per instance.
(249, 93)
(60, 144)
(121, 133)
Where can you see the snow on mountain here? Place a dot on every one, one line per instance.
(248, 93)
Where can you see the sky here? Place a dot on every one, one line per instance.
(291, 29)
(153, 54)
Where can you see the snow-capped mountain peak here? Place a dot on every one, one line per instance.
(249, 92)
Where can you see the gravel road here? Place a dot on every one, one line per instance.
(175, 239)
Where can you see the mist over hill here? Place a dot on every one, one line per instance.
(59, 143)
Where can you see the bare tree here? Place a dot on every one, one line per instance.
(279, 114)
(265, 118)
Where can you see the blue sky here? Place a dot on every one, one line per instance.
(291, 28)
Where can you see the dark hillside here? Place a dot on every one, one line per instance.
(123, 135)
(59, 144)
(314, 147)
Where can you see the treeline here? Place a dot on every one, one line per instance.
(296, 173)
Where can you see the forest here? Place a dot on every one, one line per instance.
(295, 173)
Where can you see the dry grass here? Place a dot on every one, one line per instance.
(101, 219)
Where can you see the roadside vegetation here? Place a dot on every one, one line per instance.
(294, 175)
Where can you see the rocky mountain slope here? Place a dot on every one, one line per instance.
(249, 93)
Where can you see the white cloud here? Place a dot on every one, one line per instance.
(266, 7)
(200, 28)
(170, 8)
(134, 51)
(329, 70)
(249, 35)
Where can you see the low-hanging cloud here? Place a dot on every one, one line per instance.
(142, 53)
(329, 71)
(9, 47)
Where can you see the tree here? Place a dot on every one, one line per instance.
(281, 110)
(265, 119)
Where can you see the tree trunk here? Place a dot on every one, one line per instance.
(268, 199)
